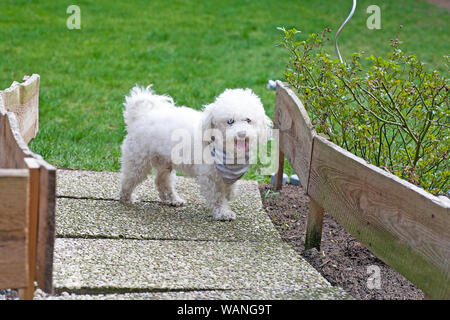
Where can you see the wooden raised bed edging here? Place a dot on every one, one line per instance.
(402, 224)
(27, 194)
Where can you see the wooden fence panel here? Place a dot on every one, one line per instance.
(13, 149)
(403, 225)
(14, 184)
(11, 155)
(295, 131)
(40, 195)
(23, 100)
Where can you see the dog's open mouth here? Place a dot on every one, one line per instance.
(241, 144)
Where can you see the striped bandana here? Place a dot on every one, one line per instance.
(230, 171)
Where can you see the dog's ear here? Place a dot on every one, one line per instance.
(207, 123)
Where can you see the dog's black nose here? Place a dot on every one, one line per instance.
(242, 134)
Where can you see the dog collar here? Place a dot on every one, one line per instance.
(230, 171)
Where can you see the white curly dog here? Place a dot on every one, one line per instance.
(215, 145)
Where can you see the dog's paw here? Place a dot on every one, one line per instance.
(129, 199)
(224, 214)
(176, 202)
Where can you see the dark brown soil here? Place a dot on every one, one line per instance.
(343, 261)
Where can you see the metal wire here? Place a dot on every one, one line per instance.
(340, 28)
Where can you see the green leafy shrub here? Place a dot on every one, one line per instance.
(390, 111)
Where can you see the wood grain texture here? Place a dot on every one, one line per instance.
(23, 100)
(34, 172)
(17, 127)
(13, 149)
(13, 264)
(14, 185)
(46, 226)
(295, 131)
(11, 155)
(13, 197)
(402, 224)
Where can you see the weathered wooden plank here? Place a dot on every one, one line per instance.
(18, 125)
(33, 167)
(295, 131)
(314, 225)
(12, 198)
(46, 226)
(13, 149)
(13, 264)
(14, 185)
(23, 100)
(278, 178)
(402, 224)
(11, 155)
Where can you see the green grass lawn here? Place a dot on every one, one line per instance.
(191, 50)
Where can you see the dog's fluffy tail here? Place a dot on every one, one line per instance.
(140, 101)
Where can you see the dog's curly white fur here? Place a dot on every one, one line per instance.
(151, 120)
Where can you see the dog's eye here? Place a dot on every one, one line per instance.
(230, 121)
(248, 120)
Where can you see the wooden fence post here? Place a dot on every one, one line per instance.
(27, 293)
(314, 225)
(46, 227)
(278, 178)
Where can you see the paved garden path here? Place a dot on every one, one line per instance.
(109, 250)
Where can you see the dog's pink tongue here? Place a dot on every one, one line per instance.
(241, 144)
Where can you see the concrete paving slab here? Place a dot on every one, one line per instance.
(109, 250)
(93, 265)
(282, 294)
(152, 220)
(105, 185)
